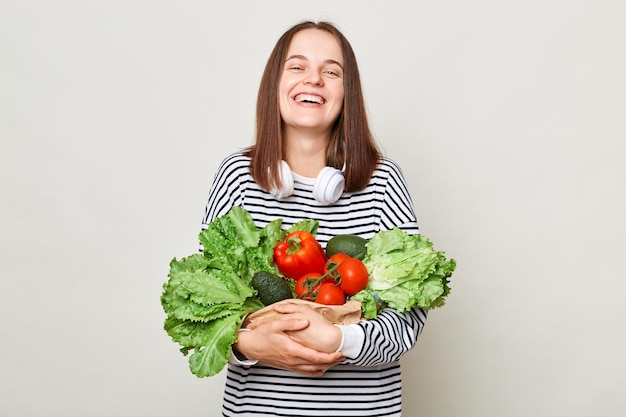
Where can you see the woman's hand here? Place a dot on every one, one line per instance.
(320, 334)
(271, 342)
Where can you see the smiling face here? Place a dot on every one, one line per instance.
(311, 88)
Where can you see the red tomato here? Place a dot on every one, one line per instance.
(330, 294)
(335, 260)
(353, 275)
(308, 285)
(332, 265)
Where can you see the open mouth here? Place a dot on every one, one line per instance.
(308, 98)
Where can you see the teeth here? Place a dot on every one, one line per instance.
(309, 99)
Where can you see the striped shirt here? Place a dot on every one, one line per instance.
(367, 384)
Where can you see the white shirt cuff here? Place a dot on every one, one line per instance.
(352, 340)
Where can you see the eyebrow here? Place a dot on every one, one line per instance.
(327, 61)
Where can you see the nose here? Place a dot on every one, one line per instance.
(314, 78)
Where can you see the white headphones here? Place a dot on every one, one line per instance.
(327, 189)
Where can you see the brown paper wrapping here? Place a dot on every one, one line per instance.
(348, 313)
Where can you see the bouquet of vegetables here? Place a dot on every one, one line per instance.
(243, 268)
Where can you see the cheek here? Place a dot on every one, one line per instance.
(339, 93)
(283, 96)
(287, 82)
(339, 97)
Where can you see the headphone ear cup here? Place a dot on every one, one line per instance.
(287, 182)
(329, 185)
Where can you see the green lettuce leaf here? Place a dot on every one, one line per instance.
(213, 355)
(370, 303)
(308, 225)
(207, 295)
(406, 272)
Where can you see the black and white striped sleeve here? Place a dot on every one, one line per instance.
(398, 210)
(391, 334)
(227, 188)
(387, 337)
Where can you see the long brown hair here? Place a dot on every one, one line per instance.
(351, 141)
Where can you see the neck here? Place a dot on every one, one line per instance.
(306, 155)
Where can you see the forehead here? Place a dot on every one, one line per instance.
(315, 44)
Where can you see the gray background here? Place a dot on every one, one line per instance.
(506, 116)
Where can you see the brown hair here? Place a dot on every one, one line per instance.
(350, 135)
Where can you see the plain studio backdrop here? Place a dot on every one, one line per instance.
(507, 117)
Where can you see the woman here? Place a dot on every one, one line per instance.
(314, 157)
